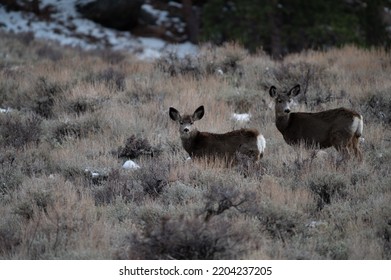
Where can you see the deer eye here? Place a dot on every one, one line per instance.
(279, 100)
(181, 123)
(191, 123)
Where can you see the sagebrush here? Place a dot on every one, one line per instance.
(72, 118)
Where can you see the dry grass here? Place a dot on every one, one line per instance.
(78, 116)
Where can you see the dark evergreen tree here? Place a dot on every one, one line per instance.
(283, 26)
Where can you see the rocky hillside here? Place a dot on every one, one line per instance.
(145, 28)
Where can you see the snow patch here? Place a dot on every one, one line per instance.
(130, 165)
(5, 111)
(316, 224)
(161, 16)
(241, 117)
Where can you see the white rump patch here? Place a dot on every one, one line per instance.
(357, 126)
(261, 143)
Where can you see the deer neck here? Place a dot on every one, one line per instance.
(282, 122)
(188, 141)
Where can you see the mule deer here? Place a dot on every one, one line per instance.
(340, 128)
(204, 144)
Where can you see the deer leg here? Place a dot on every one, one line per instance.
(341, 143)
(352, 147)
(345, 153)
(249, 152)
(356, 149)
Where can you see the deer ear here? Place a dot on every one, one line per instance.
(294, 91)
(272, 91)
(174, 114)
(199, 113)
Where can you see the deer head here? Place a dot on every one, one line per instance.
(186, 122)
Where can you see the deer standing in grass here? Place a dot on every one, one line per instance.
(340, 128)
(204, 144)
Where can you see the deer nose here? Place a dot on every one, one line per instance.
(186, 130)
(287, 111)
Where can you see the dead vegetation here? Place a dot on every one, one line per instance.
(71, 119)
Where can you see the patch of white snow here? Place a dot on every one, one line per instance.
(131, 165)
(241, 117)
(5, 111)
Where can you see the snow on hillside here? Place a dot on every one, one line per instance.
(67, 27)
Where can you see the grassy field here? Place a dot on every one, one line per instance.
(75, 117)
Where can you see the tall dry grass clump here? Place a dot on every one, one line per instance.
(71, 119)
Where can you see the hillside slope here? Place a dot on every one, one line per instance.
(60, 21)
(73, 119)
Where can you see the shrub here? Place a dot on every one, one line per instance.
(10, 174)
(70, 172)
(35, 162)
(224, 196)
(246, 166)
(327, 187)
(173, 65)
(58, 218)
(112, 79)
(8, 88)
(134, 147)
(377, 107)
(207, 63)
(10, 236)
(240, 101)
(79, 128)
(280, 223)
(26, 37)
(18, 130)
(117, 185)
(153, 177)
(83, 105)
(381, 218)
(179, 193)
(49, 53)
(333, 250)
(39, 200)
(109, 56)
(185, 239)
(145, 90)
(47, 93)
